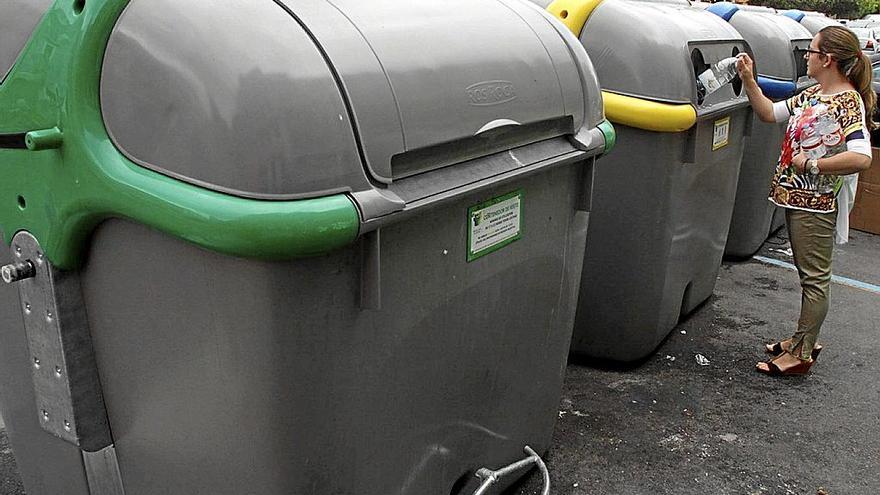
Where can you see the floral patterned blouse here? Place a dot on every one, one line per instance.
(791, 189)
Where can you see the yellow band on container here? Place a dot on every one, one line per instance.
(648, 115)
(573, 13)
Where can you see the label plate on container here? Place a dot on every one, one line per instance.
(494, 224)
(720, 138)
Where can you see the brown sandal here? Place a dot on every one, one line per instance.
(775, 350)
(773, 370)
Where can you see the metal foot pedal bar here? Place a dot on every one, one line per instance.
(490, 477)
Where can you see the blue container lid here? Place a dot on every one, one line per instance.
(776, 89)
(794, 14)
(724, 10)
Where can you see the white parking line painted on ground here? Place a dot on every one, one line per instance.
(834, 278)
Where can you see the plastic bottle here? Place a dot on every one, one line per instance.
(719, 74)
(832, 137)
(811, 142)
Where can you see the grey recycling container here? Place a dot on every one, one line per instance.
(813, 21)
(290, 247)
(15, 34)
(778, 43)
(662, 203)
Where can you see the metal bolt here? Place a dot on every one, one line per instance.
(45, 415)
(27, 308)
(58, 371)
(37, 363)
(67, 425)
(49, 315)
(14, 272)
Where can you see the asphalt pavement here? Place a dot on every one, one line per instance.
(670, 425)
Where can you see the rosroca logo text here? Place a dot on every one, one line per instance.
(490, 92)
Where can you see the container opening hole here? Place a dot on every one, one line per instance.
(78, 6)
(800, 62)
(700, 66)
(737, 82)
(564, 14)
(22, 204)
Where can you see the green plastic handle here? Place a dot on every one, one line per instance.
(79, 179)
(45, 139)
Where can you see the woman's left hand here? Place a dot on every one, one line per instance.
(799, 162)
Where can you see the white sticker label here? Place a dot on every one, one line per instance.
(494, 224)
(721, 136)
(710, 82)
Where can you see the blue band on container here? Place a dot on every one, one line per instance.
(794, 14)
(775, 88)
(724, 10)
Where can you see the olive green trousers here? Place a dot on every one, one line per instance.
(812, 243)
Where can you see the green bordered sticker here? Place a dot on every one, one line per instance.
(494, 224)
(721, 136)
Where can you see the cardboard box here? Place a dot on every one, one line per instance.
(872, 175)
(865, 215)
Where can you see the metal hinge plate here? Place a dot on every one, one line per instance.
(69, 400)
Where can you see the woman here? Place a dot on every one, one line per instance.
(806, 186)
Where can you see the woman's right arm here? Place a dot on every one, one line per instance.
(762, 105)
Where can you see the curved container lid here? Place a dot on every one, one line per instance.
(773, 42)
(792, 28)
(800, 40)
(233, 96)
(284, 100)
(444, 71)
(644, 49)
(757, 8)
(815, 23)
(18, 18)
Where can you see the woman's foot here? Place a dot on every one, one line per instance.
(777, 348)
(785, 364)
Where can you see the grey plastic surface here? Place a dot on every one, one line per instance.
(644, 49)
(390, 366)
(446, 91)
(334, 93)
(752, 218)
(183, 93)
(801, 38)
(657, 233)
(778, 220)
(775, 40)
(18, 18)
(772, 42)
(815, 23)
(239, 377)
(795, 30)
(662, 202)
(757, 8)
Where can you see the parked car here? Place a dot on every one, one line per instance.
(869, 38)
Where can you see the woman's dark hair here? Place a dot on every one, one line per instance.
(843, 45)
